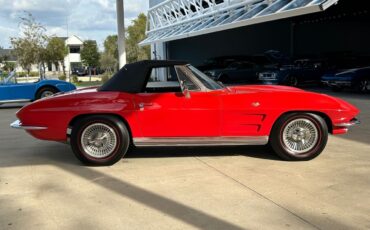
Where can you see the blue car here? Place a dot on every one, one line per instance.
(357, 79)
(303, 72)
(13, 92)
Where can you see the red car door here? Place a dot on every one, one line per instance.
(171, 114)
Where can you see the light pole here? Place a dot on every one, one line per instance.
(121, 33)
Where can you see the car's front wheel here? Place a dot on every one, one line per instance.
(363, 86)
(299, 136)
(100, 140)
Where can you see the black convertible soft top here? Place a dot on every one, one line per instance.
(132, 78)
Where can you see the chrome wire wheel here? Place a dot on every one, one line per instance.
(98, 140)
(300, 136)
(46, 93)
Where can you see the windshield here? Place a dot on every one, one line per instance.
(9, 78)
(206, 81)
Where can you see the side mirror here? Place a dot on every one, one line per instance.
(184, 89)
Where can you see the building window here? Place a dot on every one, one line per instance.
(74, 49)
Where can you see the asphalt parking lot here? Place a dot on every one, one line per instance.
(43, 186)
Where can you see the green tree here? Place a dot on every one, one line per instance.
(135, 34)
(8, 66)
(110, 45)
(29, 48)
(56, 51)
(109, 58)
(90, 55)
(4, 58)
(108, 62)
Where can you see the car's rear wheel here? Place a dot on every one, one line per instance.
(100, 140)
(46, 92)
(299, 136)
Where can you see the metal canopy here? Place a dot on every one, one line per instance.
(177, 19)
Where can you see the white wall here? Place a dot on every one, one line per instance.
(72, 57)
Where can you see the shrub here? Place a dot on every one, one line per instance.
(34, 74)
(62, 77)
(21, 74)
(74, 79)
(24, 74)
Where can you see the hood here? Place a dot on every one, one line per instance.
(302, 99)
(264, 88)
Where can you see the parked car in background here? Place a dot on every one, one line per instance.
(243, 69)
(303, 71)
(236, 72)
(278, 57)
(11, 91)
(357, 79)
(219, 63)
(81, 71)
(193, 111)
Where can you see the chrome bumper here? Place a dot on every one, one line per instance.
(18, 125)
(352, 122)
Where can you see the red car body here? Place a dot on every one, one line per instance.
(232, 111)
(202, 112)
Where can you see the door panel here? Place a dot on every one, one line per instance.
(174, 115)
(23, 91)
(5, 92)
(17, 91)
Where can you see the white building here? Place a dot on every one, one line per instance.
(73, 59)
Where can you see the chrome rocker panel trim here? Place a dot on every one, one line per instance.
(18, 125)
(201, 141)
(352, 122)
(14, 101)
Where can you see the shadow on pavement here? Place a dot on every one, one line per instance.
(59, 157)
(262, 152)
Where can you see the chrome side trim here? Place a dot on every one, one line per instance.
(201, 141)
(352, 122)
(15, 101)
(18, 125)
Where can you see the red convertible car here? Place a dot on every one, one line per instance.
(129, 110)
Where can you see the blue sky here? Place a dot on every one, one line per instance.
(88, 19)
